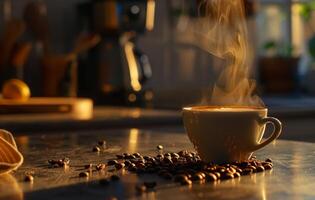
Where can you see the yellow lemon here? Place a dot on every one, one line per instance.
(15, 89)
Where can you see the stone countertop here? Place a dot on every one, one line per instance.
(293, 175)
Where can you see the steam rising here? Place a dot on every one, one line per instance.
(223, 33)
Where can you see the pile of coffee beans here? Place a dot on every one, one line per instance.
(186, 167)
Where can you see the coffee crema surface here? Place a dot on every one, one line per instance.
(224, 109)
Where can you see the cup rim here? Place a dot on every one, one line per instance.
(223, 108)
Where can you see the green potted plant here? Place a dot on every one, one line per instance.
(278, 69)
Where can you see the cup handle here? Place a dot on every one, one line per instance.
(277, 127)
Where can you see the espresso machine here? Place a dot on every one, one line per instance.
(116, 70)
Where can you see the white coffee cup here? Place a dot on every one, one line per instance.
(225, 134)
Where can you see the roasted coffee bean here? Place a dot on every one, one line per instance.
(167, 155)
(146, 157)
(102, 143)
(160, 156)
(126, 154)
(140, 165)
(128, 163)
(114, 178)
(267, 163)
(247, 171)
(227, 176)
(120, 156)
(137, 155)
(197, 177)
(150, 185)
(89, 166)
(231, 170)
(119, 166)
(268, 167)
(253, 158)
(96, 149)
(186, 182)
(130, 157)
(28, 178)
(112, 162)
(159, 147)
(202, 174)
(210, 177)
(260, 169)
(254, 163)
(182, 153)
(174, 155)
(100, 167)
(104, 181)
(52, 162)
(217, 174)
(167, 160)
(84, 174)
(141, 188)
(268, 160)
(253, 168)
(132, 168)
(58, 163)
(236, 174)
(180, 178)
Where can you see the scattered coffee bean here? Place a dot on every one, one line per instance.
(84, 174)
(227, 176)
(260, 169)
(210, 177)
(268, 167)
(28, 178)
(197, 177)
(268, 160)
(96, 149)
(186, 182)
(247, 171)
(253, 158)
(218, 175)
(137, 155)
(114, 178)
(180, 178)
(119, 166)
(112, 162)
(236, 175)
(159, 147)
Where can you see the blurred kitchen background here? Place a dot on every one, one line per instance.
(138, 53)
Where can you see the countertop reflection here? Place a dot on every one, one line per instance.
(293, 176)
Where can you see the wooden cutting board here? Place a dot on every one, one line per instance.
(78, 106)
